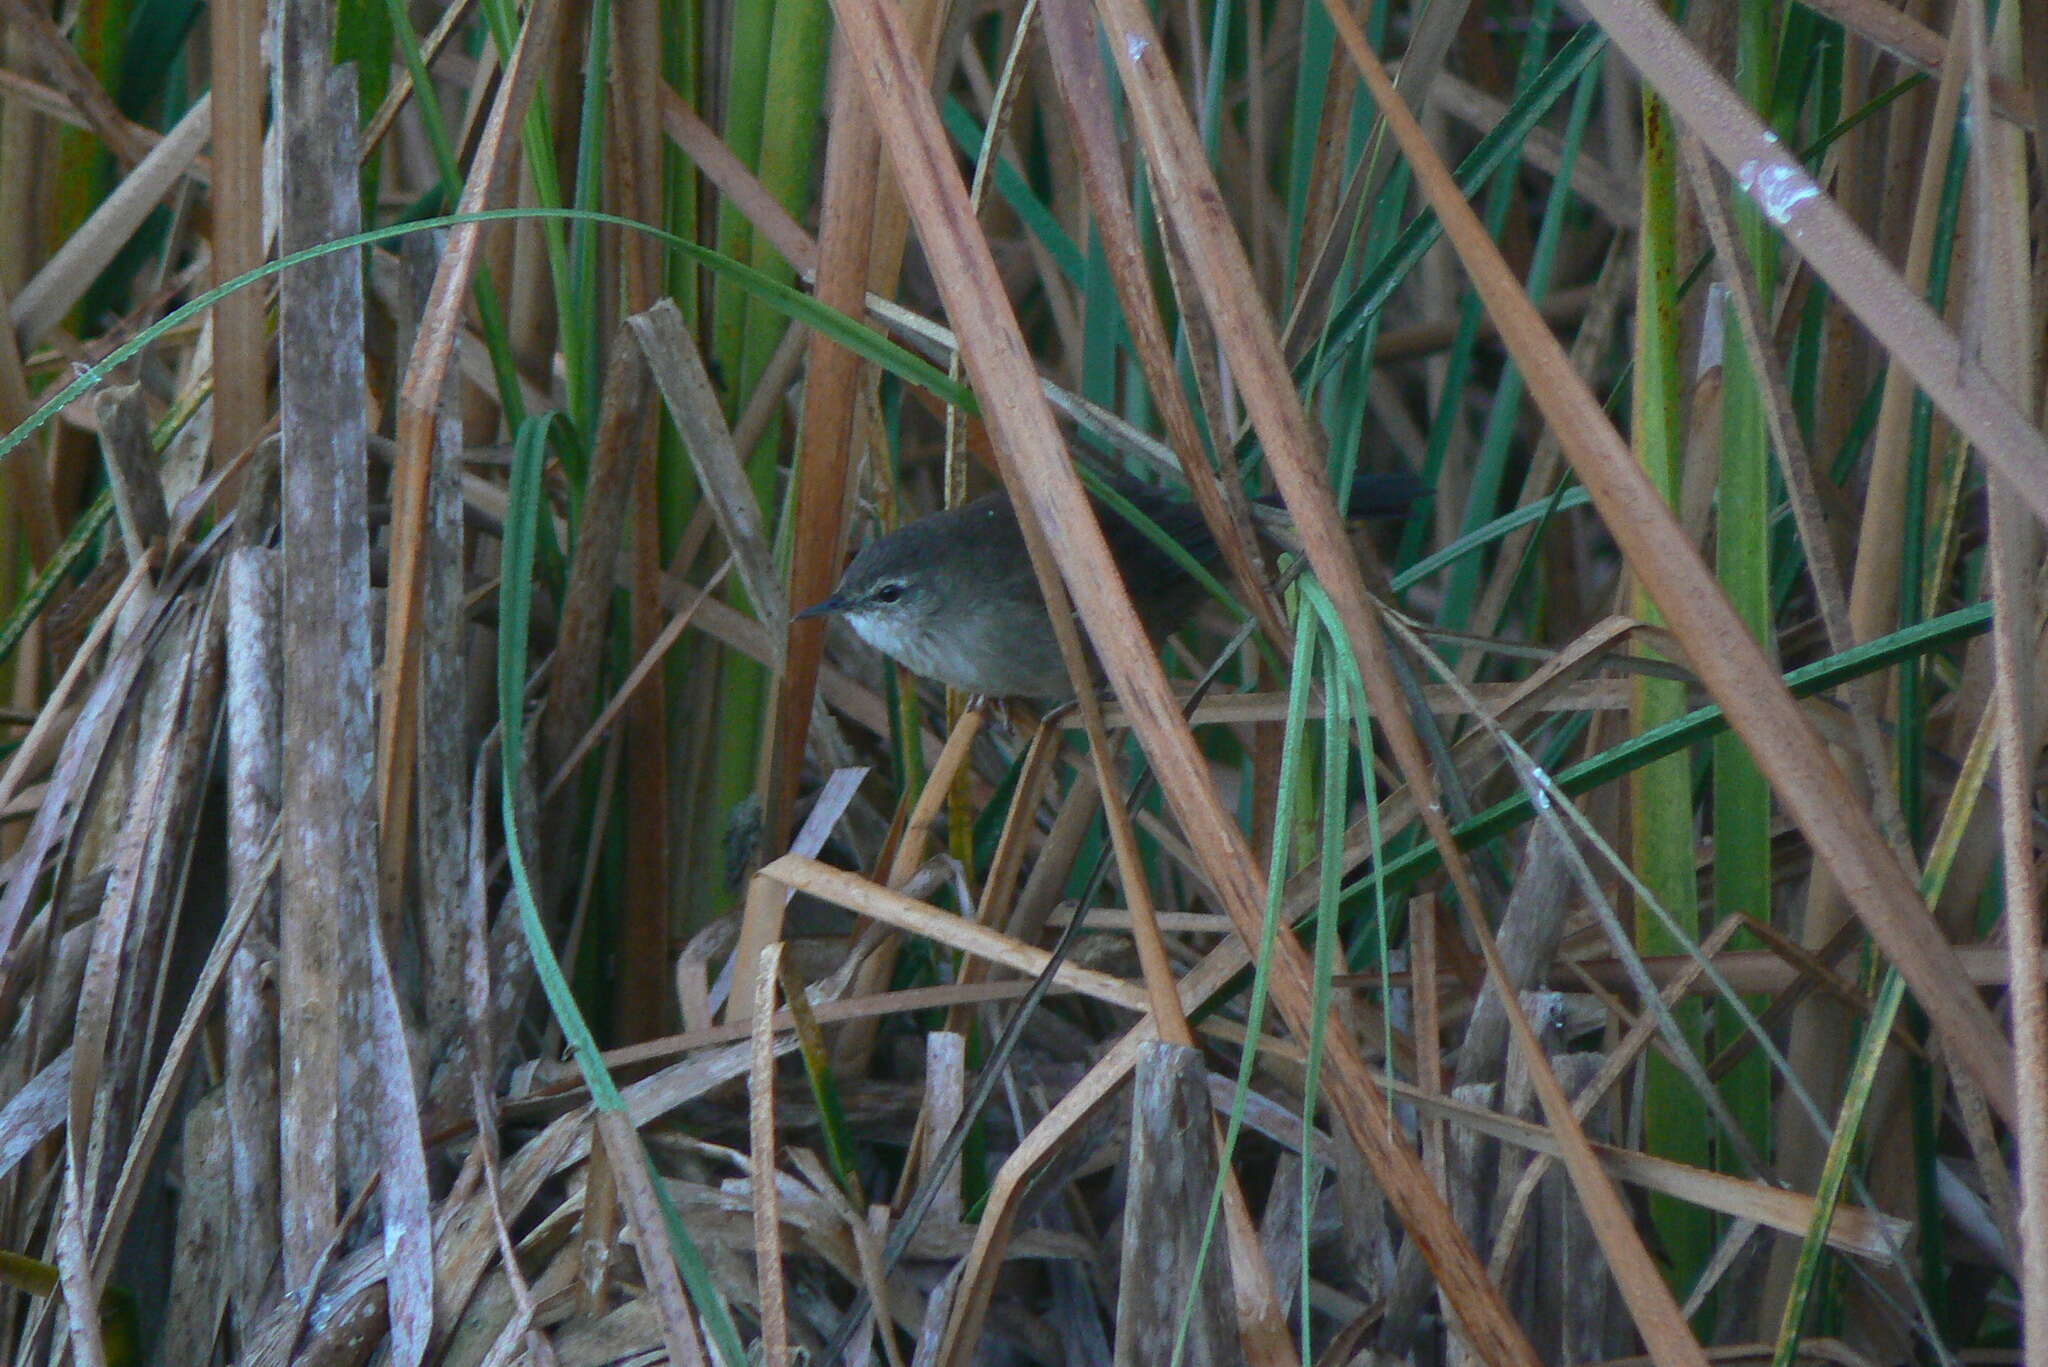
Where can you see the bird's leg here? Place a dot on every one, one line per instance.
(998, 711)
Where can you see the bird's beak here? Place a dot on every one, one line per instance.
(823, 608)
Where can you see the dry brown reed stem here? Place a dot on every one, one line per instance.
(657, 1259)
(1020, 827)
(828, 433)
(1642, 1032)
(1080, 81)
(999, 887)
(924, 813)
(643, 1005)
(1171, 1159)
(1870, 1234)
(1609, 294)
(587, 599)
(764, 214)
(903, 912)
(999, 104)
(426, 375)
(241, 364)
(328, 864)
(1130, 864)
(2003, 321)
(401, 92)
(692, 401)
(1152, 957)
(761, 1130)
(46, 297)
(1921, 47)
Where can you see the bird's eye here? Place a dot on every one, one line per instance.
(888, 593)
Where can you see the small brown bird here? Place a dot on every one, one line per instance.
(952, 597)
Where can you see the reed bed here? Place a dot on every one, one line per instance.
(452, 910)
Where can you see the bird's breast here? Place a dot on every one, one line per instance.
(1000, 654)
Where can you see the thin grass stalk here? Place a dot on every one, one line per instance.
(241, 366)
(1690, 729)
(749, 33)
(587, 306)
(644, 1001)
(1742, 512)
(1920, 566)
(490, 312)
(426, 377)
(535, 131)
(1319, 109)
(1862, 1077)
(1544, 489)
(1448, 427)
(794, 87)
(1293, 750)
(1346, 704)
(1661, 798)
(1091, 119)
(1372, 167)
(1489, 472)
(1421, 234)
